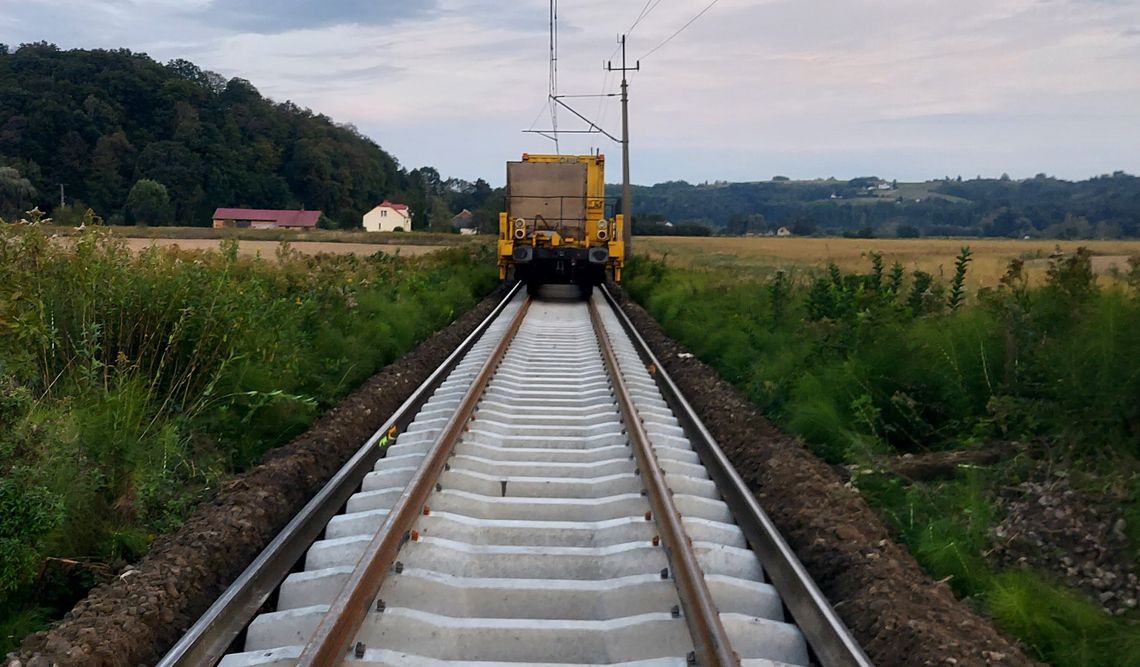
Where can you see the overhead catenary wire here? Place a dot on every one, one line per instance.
(682, 29)
(553, 91)
(541, 109)
(555, 99)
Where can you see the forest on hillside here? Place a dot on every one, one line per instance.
(1042, 207)
(139, 141)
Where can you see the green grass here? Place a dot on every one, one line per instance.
(945, 524)
(862, 369)
(132, 384)
(1061, 626)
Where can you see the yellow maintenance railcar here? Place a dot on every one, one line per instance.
(555, 228)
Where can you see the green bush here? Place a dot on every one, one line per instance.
(131, 384)
(929, 376)
(862, 366)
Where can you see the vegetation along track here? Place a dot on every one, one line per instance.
(550, 499)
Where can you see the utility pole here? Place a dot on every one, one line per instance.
(427, 202)
(61, 201)
(626, 203)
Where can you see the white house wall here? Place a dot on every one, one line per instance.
(376, 220)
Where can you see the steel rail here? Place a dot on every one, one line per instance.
(710, 640)
(338, 628)
(828, 637)
(206, 642)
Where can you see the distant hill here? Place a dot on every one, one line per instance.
(1102, 207)
(100, 121)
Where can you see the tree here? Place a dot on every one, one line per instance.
(803, 227)
(865, 232)
(864, 182)
(98, 121)
(1005, 223)
(16, 193)
(439, 216)
(737, 225)
(148, 203)
(179, 169)
(111, 165)
(907, 232)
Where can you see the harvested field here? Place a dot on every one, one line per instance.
(935, 256)
(291, 235)
(268, 249)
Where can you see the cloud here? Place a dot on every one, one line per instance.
(273, 16)
(897, 87)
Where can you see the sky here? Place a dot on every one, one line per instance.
(902, 89)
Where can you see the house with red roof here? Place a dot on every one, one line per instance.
(256, 218)
(388, 217)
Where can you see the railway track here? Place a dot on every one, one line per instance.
(550, 498)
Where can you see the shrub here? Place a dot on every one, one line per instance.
(1064, 353)
(148, 203)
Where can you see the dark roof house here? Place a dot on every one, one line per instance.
(463, 219)
(265, 218)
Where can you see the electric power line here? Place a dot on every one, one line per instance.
(641, 13)
(645, 12)
(691, 22)
(606, 74)
(603, 109)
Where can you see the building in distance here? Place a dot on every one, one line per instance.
(256, 218)
(464, 223)
(388, 217)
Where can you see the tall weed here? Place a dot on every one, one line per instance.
(866, 365)
(130, 384)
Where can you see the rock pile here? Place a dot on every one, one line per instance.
(1078, 535)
